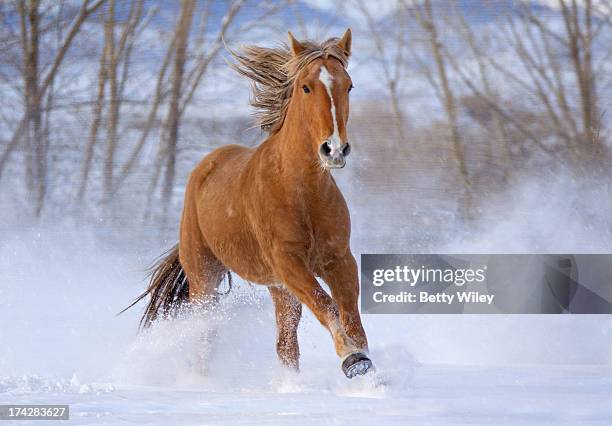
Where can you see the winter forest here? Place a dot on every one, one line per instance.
(108, 105)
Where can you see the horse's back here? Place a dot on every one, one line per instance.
(220, 164)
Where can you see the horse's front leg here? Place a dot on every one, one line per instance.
(342, 278)
(288, 310)
(297, 278)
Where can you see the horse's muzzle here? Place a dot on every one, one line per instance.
(332, 157)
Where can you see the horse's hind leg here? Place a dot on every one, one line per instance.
(288, 310)
(204, 271)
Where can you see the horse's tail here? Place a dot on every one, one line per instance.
(168, 288)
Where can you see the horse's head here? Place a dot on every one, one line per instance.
(321, 95)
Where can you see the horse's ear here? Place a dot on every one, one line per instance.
(296, 46)
(345, 42)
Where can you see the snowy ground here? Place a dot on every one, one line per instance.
(62, 343)
(435, 395)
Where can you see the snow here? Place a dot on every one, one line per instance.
(62, 343)
(434, 395)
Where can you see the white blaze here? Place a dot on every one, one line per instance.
(334, 140)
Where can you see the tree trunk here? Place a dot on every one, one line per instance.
(95, 122)
(579, 40)
(34, 143)
(113, 112)
(173, 119)
(450, 107)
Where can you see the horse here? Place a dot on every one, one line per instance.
(273, 214)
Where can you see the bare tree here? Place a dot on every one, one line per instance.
(184, 66)
(489, 118)
(113, 74)
(390, 43)
(183, 84)
(173, 119)
(158, 97)
(567, 112)
(425, 17)
(580, 34)
(96, 120)
(29, 18)
(116, 51)
(37, 82)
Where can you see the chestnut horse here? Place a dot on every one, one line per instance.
(274, 214)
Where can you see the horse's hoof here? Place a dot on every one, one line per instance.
(356, 364)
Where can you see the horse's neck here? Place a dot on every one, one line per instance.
(300, 165)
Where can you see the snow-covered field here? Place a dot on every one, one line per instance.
(433, 395)
(62, 343)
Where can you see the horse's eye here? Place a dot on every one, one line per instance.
(306, 89)
(350, 88)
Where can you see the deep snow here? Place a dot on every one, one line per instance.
(62, 343)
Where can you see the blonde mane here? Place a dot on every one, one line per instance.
(273, 72)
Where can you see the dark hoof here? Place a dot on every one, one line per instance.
(356, 364)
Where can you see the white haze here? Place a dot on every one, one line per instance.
(62, 284)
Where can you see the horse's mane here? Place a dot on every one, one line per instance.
(273, 72)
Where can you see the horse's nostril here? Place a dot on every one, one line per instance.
(346, 149)
(325, 149)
